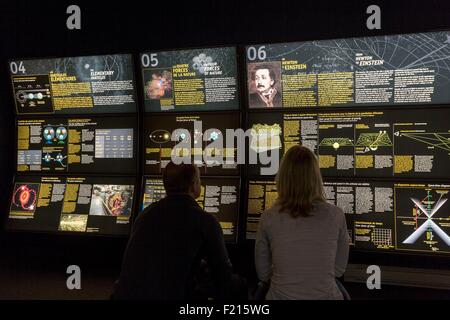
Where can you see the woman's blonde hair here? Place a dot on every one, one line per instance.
(299, 182)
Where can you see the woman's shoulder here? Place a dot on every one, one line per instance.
(328, 208)
(319, 207)
(271, 212)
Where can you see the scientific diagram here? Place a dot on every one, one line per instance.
(52, 135)
(372, 141)
(24, 198)
(336, 143)
(32, 94)
(423, 219)
(57, 158)
(265, 137)
(439, 140)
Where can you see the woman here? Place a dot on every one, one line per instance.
(302, 241)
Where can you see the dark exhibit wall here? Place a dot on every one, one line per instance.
(32, 30)
(109, 27)
(7, 141)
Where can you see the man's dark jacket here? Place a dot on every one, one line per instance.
(165, 249)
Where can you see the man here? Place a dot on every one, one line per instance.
(169, 239)
(266, 95)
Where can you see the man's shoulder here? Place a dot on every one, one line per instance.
(188, 205)
(151, 208)
(147, 212)
(208, 220)
(199, 213)
(189, 208)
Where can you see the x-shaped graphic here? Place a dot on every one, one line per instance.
(429, 224)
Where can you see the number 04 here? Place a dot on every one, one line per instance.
(16, 68)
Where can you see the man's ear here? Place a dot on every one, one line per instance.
(193, 188)
(198, 188)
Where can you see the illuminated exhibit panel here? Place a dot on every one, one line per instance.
(72, 204)
(369, 211)
(380, 215)
(93, 145)
(384, 70)
(74, 85)
(219, 196)
(201, 138)
(262, 195)
(190, 80)
(422, 217)
(390, 143)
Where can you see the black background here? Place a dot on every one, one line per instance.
(38, 29)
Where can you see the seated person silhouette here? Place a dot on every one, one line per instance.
(169, 243)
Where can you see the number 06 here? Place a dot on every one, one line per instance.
(252, 53)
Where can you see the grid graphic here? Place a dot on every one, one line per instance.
(382, 237)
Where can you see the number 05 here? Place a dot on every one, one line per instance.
(149, 60)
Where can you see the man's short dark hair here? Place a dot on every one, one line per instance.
(268, 67)
(179, 178)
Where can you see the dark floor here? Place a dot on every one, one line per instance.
(35, 268)
(29, 284)
(52, 286)
(359, 291)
